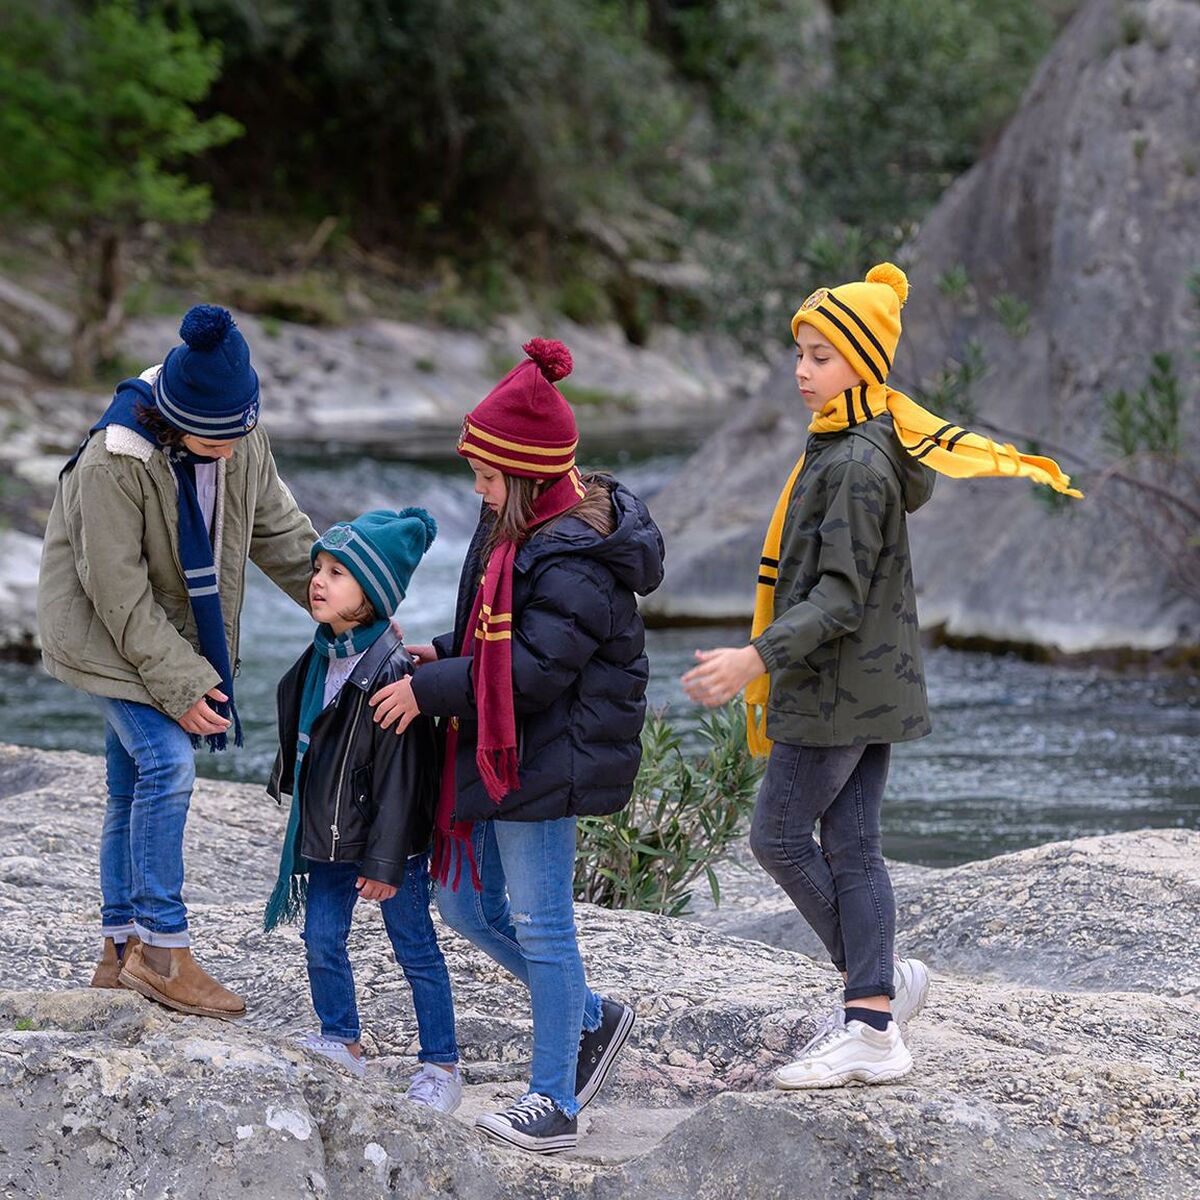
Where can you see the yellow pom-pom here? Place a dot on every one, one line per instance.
(890, 274)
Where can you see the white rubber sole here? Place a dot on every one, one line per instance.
(501, 1131)
(620, 1037)
(853, 1077)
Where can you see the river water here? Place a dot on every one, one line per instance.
(1021, 753)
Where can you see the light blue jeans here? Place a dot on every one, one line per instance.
(329, 908)
(151, 770)
(525, 919)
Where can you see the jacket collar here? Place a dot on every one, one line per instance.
(373, 659)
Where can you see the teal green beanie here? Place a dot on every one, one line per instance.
(381, 549)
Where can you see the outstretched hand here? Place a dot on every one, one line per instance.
(395, 703)
(722, 673)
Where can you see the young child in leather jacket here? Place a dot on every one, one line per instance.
(362, 799)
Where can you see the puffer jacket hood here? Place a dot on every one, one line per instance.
(633, 552)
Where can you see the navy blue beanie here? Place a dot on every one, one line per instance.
(207, 386)
(381, 549)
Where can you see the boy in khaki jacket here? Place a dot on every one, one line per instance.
(139, 601)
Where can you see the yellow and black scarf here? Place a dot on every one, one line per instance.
(945, 447)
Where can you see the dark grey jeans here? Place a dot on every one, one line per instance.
(840, 885)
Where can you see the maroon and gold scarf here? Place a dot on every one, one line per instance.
(488, 639)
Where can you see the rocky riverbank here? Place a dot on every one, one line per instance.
(1027, 1085)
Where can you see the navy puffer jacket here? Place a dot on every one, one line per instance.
(579, 667)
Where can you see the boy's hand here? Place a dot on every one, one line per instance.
(722, 673)
(372, 889)
(395, 702)
(422, 654)
(202, 720)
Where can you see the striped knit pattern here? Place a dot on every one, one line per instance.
(516, 457)
(234, 423)
(375, 575)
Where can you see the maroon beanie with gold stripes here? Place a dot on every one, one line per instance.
(524, 426)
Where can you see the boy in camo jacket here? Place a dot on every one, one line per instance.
(833, 672)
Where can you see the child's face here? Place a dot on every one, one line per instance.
(490, 484)
(208, 447)
(821, 371)
(333, 593)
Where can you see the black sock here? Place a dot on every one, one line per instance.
(868, 1016)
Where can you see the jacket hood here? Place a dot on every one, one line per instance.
(633, 552)
(916, 479)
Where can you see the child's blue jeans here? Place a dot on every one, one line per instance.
(331, 899)
(151, 770)
(525, 919)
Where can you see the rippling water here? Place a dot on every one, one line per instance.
(1021, 753)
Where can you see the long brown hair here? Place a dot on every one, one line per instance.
(516, 514)
(153, 420)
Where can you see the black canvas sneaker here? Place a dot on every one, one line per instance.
(599, 1048)
(533, 1124)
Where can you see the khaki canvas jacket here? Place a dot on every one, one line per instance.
(843, 650)
(113, 608)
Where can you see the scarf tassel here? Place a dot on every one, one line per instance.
(449, 850)
(287, 902)
(498, 771)
(220, 741)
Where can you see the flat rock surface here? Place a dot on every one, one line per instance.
(1018, 1090)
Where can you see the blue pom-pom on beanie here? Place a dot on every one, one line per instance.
(207, 386)
(381, 549)
(205, 325)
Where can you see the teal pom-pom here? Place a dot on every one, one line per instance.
(421, 515)
(205, 326)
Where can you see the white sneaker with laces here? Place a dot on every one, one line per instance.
(335, 1051)
(850, 1053)
(435, 1088)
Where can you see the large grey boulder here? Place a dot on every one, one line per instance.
(1087, 211)
(1019, 1091)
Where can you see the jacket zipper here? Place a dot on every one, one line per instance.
(337, 794)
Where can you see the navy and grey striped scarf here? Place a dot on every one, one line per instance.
(288, 897)
(195, 547)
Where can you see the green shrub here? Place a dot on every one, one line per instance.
(682, 818)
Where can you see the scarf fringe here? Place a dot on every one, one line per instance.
(498, 771)
(287, 902)
(450, 849)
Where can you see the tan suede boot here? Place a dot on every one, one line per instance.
(109, 966)
(186, 988)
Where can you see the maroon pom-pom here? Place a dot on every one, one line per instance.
(553, 358)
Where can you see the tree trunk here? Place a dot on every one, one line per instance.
(98, 264)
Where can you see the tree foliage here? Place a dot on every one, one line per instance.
(97, 119)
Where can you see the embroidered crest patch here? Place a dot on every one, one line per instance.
(816, 298)
(338, 536)
(462, 437)
(251, 418)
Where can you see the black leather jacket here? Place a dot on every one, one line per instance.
(367, 796)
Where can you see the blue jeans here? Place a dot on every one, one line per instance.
(151, 769)
(331, 899)
(841, 884)
(525, 919)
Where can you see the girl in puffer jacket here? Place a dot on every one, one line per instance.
(542, 689)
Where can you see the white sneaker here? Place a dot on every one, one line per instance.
(851, 1053)
(435, 1088)
(911, 979)
(335, 1051)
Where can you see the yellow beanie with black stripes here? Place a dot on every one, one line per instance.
(861, 320)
